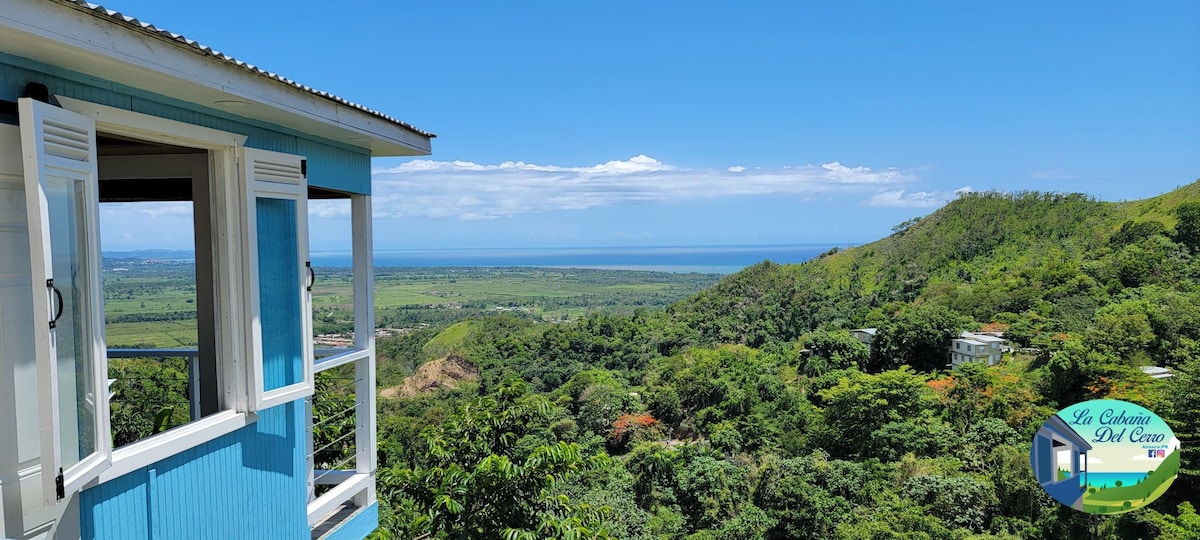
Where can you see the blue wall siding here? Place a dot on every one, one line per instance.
(191, 495)
(331, 164)
(359, 526)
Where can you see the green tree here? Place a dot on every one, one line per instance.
(838, 348)
(919, 336)
(711, 491)
(1132, 232)
(859, 404)
(1187, 226)
(479, 474)
(1123, 329)
(961, 500)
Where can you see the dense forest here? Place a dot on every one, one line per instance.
(748, 410)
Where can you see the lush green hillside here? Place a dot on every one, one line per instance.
(1044, 263)
(748, 411)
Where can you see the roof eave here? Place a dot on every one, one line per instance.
(78, 37)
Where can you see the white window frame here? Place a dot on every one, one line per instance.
(227, 241)
(254, 187)
(359, 485)
(234, 253)
(41, 124)
(20, 469)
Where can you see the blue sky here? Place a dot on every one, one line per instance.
(697, 123)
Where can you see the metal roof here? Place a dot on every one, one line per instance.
(204, 50)
(981, 337)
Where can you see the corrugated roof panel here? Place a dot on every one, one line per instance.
(198, 48)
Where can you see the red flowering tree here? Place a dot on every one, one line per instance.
(631, 428)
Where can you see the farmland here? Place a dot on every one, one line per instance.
(152, 303)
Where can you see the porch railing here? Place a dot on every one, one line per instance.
(145, 402)
(337, 478)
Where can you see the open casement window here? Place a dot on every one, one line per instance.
(59, 156)
(280, 275)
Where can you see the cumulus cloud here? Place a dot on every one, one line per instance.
(468, 190)
(909, 199)
(329, 208)
(147, 209)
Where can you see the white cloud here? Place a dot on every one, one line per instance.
(329, 208)
(468, 190)
(905, 199)
(148, 209)
(1093, 460)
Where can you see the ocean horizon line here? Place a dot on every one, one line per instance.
(719, 259)
(114, 253)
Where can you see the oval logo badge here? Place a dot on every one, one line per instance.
(1105, 456)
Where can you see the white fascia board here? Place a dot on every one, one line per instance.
(79, 41)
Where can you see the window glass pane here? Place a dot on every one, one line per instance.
(331, 246)
(66, 203)
(279, 299)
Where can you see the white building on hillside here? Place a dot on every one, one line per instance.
(970, 347)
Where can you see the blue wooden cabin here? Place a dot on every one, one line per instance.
(1059, 460)
(99, 108)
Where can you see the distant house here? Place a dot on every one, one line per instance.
(1059, 460)
(973, 347)
(866, 336)
(97, 108)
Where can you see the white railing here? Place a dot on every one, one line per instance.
(347, 479)
(193, 380)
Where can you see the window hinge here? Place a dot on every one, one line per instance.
(304, 168)
(59, 489)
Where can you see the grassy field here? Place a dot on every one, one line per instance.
(152, 303)
(1125, 498)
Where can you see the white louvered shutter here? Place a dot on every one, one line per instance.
(59, 155)
(279, 273)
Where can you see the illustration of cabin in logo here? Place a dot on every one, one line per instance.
(1059, 459)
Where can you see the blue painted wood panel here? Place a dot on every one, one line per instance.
(331, 164)
(362, 524)
(279, 300)
(248, 484)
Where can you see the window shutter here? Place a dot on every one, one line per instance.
(59, 156)
(280, 303)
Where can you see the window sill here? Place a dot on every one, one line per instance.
(164, 445)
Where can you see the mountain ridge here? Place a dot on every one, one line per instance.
(985, 254)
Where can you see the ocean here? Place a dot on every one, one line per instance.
(1109, 479)
(680, 259)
